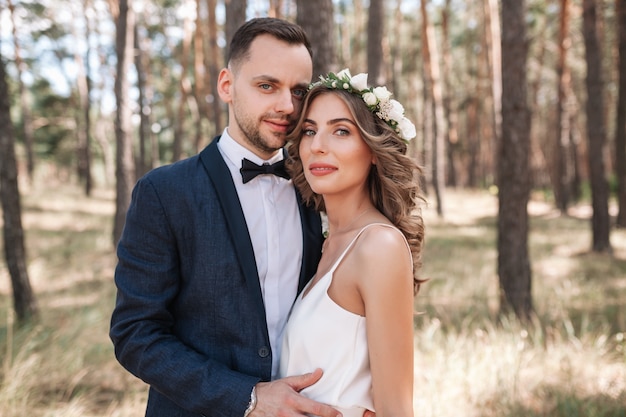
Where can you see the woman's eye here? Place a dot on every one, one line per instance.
(342, 132)
(308, 132)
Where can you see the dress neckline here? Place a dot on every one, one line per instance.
(309, 287)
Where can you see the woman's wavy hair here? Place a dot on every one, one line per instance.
(393, 182)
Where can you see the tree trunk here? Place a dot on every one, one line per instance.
(541, 153)
(142, 66)
(428, 122)
(494, 51)
(103, 129)
(513, 168)
(564, 167)
(185, 89)
(473, 141)
(200, 71)
(83, 118)
(600, 220)
(620, 129)
(235, 17)
(124, 172)
(451, 134)
(432, 73)
(213, 65)
(25, 99)
(317, 19)
(375, 32)
(24, 301)
(359, 43)
(275, 10)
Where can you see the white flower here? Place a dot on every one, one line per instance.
(359, 82)
(384, 108)
(396, 111)
(370, 99)
(382, 93)
(407, 129)
(377, 99)
(344, 73)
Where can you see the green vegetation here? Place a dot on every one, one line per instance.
(467, 362)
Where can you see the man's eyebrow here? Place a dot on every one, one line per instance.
(263, 77)
(274, 80)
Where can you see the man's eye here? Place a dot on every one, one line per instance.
(265, 86)
(299, 93)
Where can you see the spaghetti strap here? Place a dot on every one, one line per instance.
(345, 251)
(331, 272)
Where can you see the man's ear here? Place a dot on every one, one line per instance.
(225, 82)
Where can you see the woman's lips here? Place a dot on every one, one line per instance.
(322, 169)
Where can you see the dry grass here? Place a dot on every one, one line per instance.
(572, 363)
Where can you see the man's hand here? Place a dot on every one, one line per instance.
(282, 398)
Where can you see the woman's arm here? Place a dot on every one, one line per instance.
(386, 286)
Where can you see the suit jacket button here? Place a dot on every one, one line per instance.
(264, 352)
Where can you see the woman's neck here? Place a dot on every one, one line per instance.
(344, 214)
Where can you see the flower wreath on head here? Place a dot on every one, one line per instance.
(378, 99)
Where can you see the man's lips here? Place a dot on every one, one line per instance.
(279, 125)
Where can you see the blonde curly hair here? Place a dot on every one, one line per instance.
(393, 182)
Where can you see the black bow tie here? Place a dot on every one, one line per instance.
(250, 170)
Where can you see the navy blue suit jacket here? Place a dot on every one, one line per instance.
(189, 318)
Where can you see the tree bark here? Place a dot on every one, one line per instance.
(213, 65)
(235, 17)
(124, 164)
(184, 88)
(25, 99)
(620, 129)
(513, 167)
(600, 220)
(432, 73)
(317, 20)
(142, 66)
(564, 164)
(451, 134)
(375, 33)
(24, 301)
(494, 53)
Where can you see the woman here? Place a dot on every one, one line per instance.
(355, 317)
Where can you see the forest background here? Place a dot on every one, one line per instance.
(521, 114)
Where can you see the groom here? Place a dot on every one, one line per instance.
(212, 254)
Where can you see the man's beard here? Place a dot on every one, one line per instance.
(253, 135)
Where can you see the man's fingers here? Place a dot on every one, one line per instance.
(300, 382)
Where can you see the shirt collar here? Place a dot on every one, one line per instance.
(236, 152)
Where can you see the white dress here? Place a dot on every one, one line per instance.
(321, 334)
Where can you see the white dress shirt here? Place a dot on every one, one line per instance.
(271, 210)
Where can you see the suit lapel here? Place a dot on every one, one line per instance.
(229, 200)
(312, 242)
(225, 188)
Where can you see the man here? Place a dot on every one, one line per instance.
(211, 259)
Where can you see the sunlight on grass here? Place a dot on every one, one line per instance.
(571, 363)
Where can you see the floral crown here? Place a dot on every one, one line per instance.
(378, 100)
